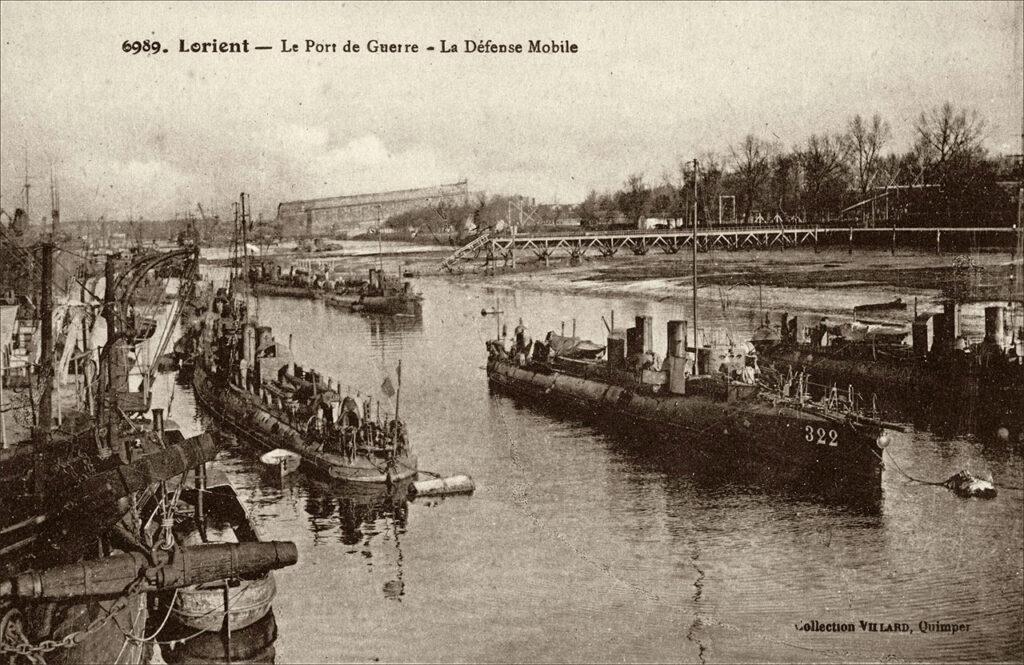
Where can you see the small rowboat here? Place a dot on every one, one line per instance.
(282, 461)
(234, 602)
(881, 306)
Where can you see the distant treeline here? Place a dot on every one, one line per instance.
(446, 221)
(947, 175)
(945, 178)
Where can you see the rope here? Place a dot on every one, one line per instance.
(170, 610)
(938, 484)
(907, 475)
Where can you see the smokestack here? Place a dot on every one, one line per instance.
(995, 325)
(616, 349)
(677, 341)
(952, 311)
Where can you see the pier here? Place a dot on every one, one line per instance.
(640, 242)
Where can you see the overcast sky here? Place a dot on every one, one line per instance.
(651, 84)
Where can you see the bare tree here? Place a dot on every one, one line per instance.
(948, 139)
(823, 161)
(751, 167)
(589, 212)
(864, 143)
(712, 171)
(633, 201)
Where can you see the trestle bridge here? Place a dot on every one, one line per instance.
(544, 246)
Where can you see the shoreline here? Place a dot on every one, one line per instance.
(834, 281)
(784, 279)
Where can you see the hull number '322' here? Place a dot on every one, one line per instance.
(821, 436)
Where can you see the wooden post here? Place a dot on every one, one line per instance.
(398, 398)
(200, 490)
(227, 622)
(851, 239)
(893, 239)
(938, 241)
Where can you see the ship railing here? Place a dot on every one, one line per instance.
(800, 390)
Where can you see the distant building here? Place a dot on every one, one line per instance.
(352, 215)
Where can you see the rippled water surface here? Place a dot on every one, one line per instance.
(580, 545)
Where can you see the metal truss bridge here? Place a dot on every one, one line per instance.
(670, 241)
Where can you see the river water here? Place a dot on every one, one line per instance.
(585, 546)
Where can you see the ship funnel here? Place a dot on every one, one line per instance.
(616, 349)
(639, 338)
(677, 341)
(995, 325)
(952, 310)
(922, 335)
(675, 357)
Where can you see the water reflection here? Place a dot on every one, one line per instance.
(383, 328)
(689, 460)
(362, 515)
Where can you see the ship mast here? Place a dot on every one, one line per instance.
(380, 248)
(27, 187)
(111, 349)
(694, 244)
(41, 440)
(54, 206)
(245, 247)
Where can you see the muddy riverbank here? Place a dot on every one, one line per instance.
(770, 280)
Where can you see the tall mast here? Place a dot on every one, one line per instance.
(54, 206)
(41, 440)
(245, 247)
(380, 249)
(27, 187)
(234, 246)
(3, 423)
(694, 243)
(398, 398)
(111, 349)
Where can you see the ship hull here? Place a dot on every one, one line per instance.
(244, 415)
(778, 443)
(285, 291)
(388, 305)
(942, 395)
(106, 643)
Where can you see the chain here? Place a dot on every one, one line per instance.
(33, 652)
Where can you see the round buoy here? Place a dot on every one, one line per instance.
(1003, 434)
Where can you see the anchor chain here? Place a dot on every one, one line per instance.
(14, 641)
